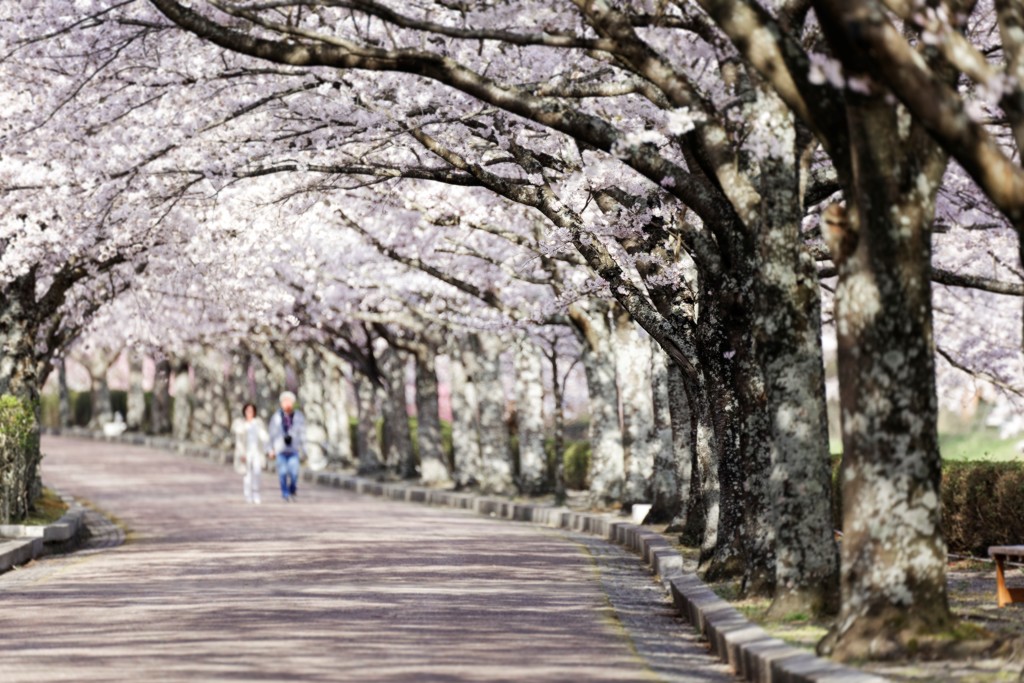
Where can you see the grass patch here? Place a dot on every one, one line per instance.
(971, 564)
(981, 444)
(46, 509)
(797, 628)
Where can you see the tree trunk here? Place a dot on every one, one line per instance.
(719, 410)
(633, 371)
(495, 450)
(339, 428)
(530, 411)
(19, 377)
(893, 578)
(750, 475)
(397, 441)
(674, 459)
(558, 430)
(64, 396)
(314, 403)
(160, 417)
(698, 484)
(102, 408)
(368, 451)
(428, 421)
(19, 367)
(465, 444)
(136, 411)
(607, 461)
(210, 399)
(269, 375)
(733, 385)
(788, 329)
(181, 427)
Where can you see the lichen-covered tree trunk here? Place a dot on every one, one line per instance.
(160, 416)
(20, 377)
(19, 367)
(558, 429)
(269, 375)
(465, 444)
(339, 428)
(136, 410)
(673, 462)
(314, 402)
(750, 474)
(734, 388)
(368, 454)
(530, 412)
(63, 394)
(433, 469)
(725, 558)
(397, 442)
(700, 526)
(788, 330)
(633, 373)
(893, 577)
(607, 461)
(181, 424)
(102, 408)
(484, 363)
(211, 399)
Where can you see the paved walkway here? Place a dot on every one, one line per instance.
(336, 587)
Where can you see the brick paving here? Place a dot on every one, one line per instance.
(336, 587)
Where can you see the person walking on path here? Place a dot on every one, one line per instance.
(252, 442)
(288, 443)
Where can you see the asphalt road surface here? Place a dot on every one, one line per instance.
(194, 584)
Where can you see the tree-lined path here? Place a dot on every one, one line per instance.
(336, 587)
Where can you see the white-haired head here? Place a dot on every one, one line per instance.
(287, 397)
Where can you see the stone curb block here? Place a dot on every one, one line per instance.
(20, 543)
(747, 648)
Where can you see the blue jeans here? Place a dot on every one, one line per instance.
(288, 472)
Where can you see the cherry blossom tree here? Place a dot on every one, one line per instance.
(685, 152)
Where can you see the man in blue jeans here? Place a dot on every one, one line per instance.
(288, 443)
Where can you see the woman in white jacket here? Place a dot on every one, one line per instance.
(252, 443)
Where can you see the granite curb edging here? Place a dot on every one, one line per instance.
(21, 543)
(755, 655)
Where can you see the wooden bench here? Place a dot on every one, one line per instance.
(1002, 553)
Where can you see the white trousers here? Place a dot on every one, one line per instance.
(251, 481)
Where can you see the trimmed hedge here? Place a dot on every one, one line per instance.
(19, 458)
(982, 504)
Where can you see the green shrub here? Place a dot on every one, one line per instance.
(81, 408)
(49, 410)
(982, 505)
(19, 458)
(414, 436)
(577, 464)
(353, 439)
(447, 446)
(119, 402)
